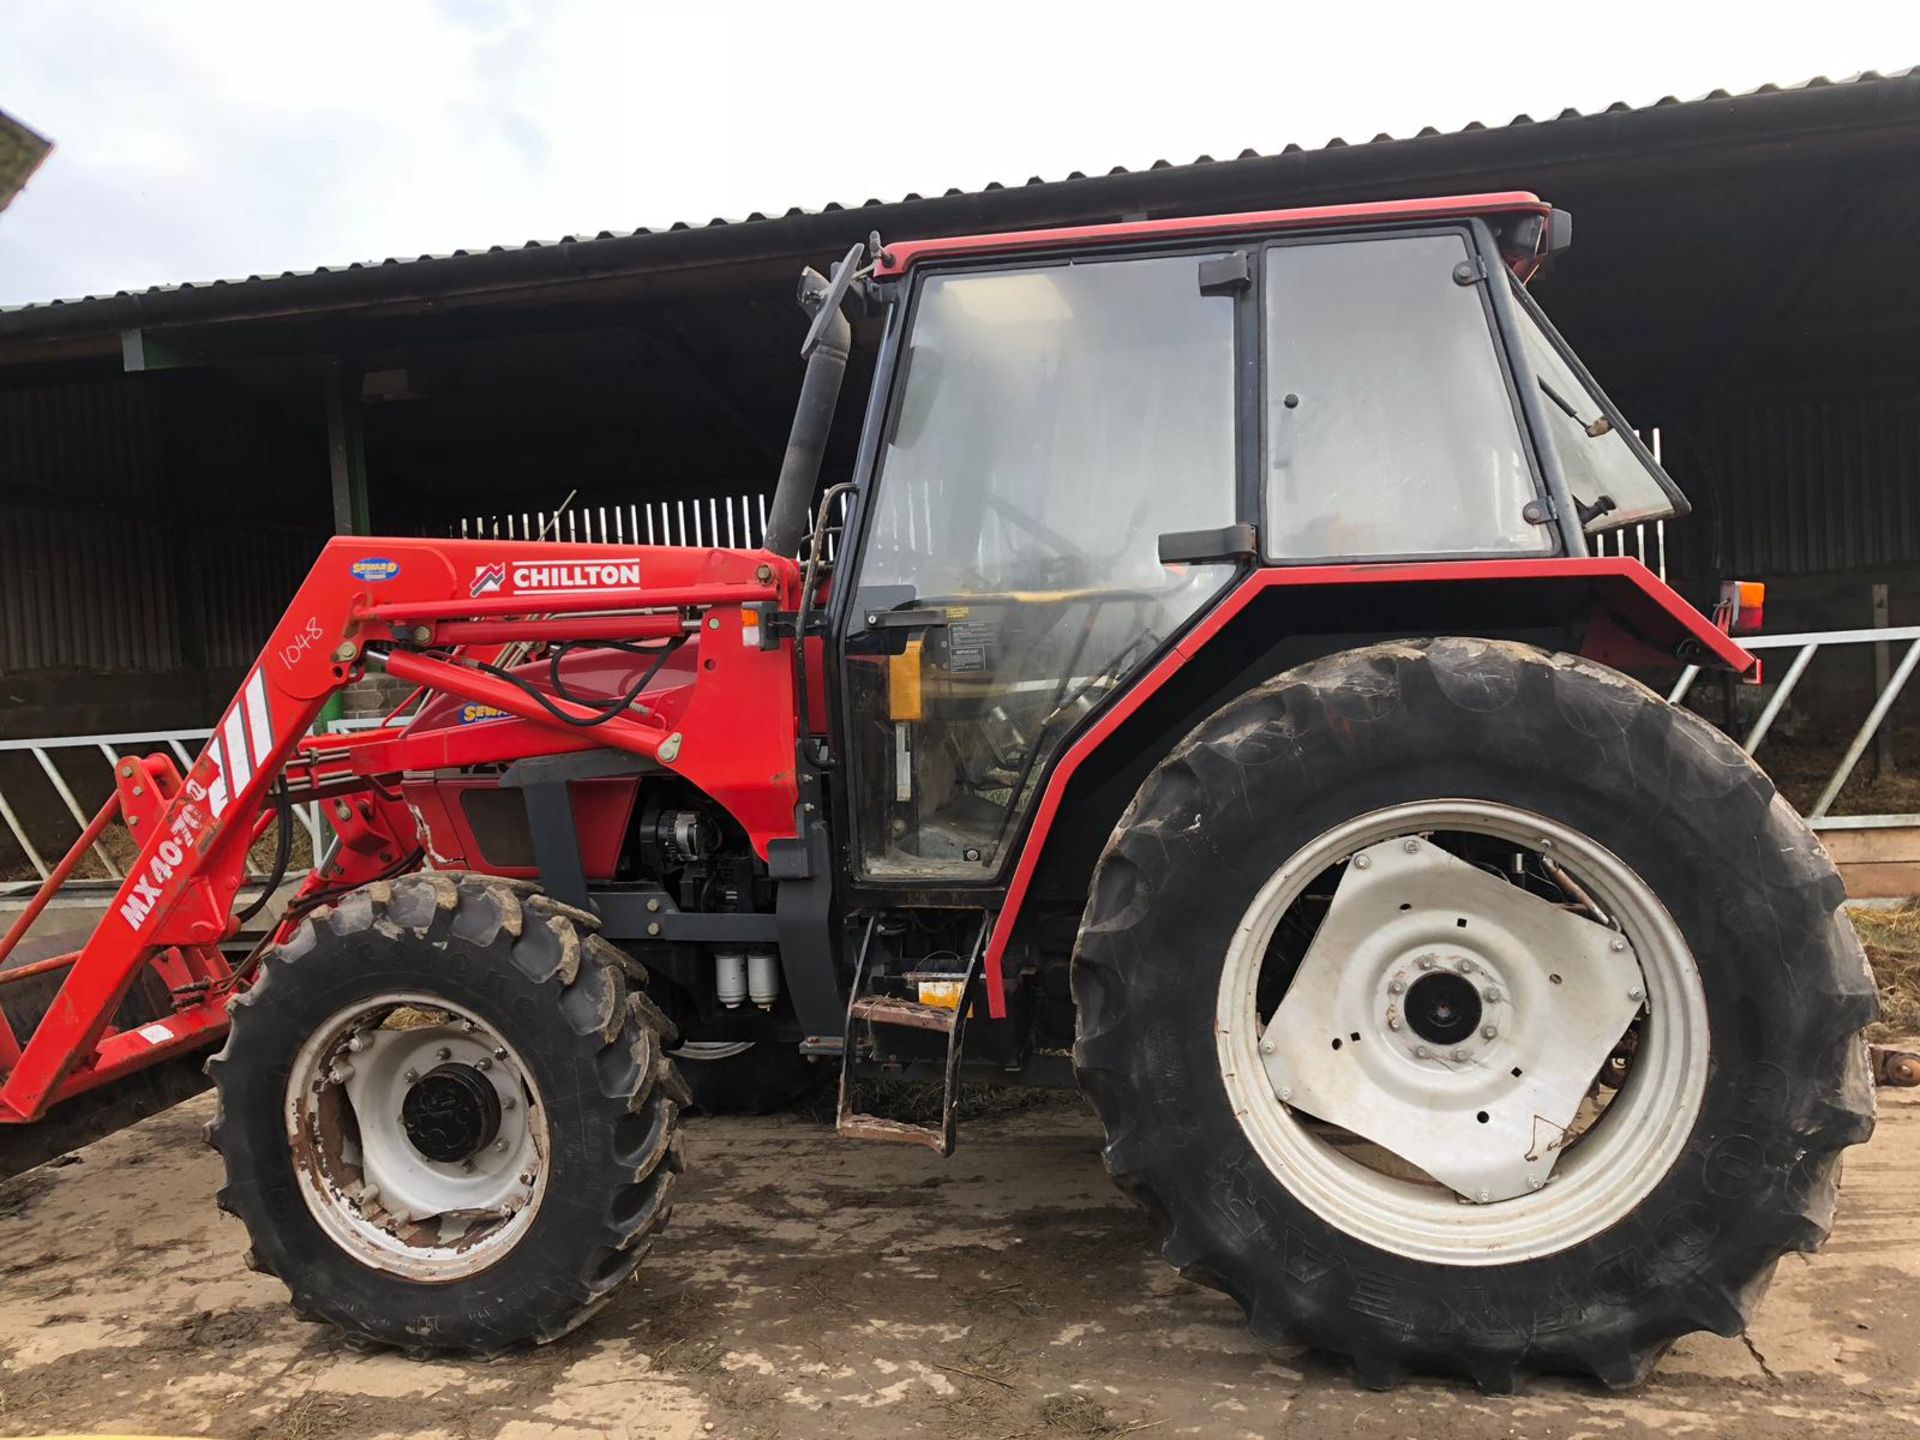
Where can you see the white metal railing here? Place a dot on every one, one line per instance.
(1804, 647)
(105, 750)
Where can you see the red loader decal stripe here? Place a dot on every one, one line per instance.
(243, 740)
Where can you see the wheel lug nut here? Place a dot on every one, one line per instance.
(1534, 1182)
(1411, 846)
(1286, 1092)
(1425, 962)
(1421, 1052)
(466, 1164)
(1464, 966)
(1393, 1022)
(1495, 995)
(483, 1063)
(499, 1052)
(507, 1102)
(1482, 1196)
(500, 1147)
(1266, 1047)
(443, 1053)
(1617, 946)
(1489, 1033)
(1460, 1055)
(1362, 862)
(1395, 987)
(1636, 994)
(410, 1076)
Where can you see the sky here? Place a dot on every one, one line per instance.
(197, 139)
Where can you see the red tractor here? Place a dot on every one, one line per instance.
(1204, 690)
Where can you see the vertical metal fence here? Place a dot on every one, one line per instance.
(735, 521)
(1645, 543)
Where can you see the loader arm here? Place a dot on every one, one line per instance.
(427, 612)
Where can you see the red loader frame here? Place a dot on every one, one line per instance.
(731, 733)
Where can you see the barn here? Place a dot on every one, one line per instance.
(1742, 281)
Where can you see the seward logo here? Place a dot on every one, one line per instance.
(375, 568)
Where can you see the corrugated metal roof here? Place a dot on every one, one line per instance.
(1864, 78)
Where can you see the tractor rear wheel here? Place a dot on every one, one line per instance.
(1457, 1006)
(446, 1123)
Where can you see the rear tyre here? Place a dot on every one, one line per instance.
(1731, 1094)
(746, 1077)
(482, 1116)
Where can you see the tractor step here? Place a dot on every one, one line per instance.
(865, 1013)
(887, 1010)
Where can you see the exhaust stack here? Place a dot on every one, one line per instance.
(825, 349)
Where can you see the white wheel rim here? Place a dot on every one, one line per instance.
(374, 1192)
(1598, 1181)
(711, 1049)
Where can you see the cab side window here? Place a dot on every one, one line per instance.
(1390, 428)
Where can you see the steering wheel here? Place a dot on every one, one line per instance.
(1045, 534)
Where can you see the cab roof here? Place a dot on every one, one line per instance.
(895, 258)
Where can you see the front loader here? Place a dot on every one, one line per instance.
(1205, 689)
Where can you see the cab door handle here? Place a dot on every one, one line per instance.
(906, 619)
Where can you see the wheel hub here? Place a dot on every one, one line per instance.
(451, 1114)
(1452, 1018)
(1443, 1007)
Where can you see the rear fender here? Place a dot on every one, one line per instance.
(1609, 608)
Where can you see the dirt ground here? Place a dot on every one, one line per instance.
(813, 1288)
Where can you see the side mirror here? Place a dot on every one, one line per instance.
(824, 299)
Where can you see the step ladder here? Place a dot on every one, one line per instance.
(865, 1013)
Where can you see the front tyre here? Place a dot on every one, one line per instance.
(446, 1123)
(1456, 1006)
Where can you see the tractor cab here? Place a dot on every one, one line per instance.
(1084, 439)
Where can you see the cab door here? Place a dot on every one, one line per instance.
(1051, 421)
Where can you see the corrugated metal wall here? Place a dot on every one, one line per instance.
(155, 525)
(145, 526)
(1801, 487)
(84, 592)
